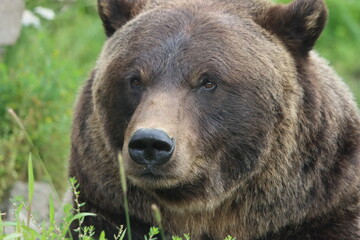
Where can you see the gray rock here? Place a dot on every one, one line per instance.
(40, 203)
(11, 12)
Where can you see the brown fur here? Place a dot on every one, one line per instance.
(272, 153)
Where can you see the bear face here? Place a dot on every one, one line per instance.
(224, 118)
(198, 78)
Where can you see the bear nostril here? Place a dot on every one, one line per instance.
(162, 146)
(150, 147)
(140, 145)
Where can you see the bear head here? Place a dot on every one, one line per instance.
(200, 97)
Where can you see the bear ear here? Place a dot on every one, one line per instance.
(115, 13)
(299, 24)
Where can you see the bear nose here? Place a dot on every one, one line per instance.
(151, 147)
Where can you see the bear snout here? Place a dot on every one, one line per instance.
(151, 147)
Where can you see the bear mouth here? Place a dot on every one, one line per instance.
(151, 178)
(151, 174)
(169, 188)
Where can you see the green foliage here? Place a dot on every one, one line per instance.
(153, 232)
(40, 77)
(54, 230)
(186, 237)
(50, 230)
(229, 238)
(121, 234)
(340, 43)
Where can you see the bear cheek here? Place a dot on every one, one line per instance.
(233, 137)
(114, 106)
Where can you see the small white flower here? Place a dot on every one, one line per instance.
(29, 19)
(46, 13)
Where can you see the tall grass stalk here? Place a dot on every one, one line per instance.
(52, 224)
(124, 189)
(157, 217)
(35, 150)
(30, 188)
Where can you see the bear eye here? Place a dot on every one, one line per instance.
(209, 85)
(135, 83)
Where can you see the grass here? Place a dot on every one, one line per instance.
(51, 229)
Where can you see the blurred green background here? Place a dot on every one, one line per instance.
(41, 75)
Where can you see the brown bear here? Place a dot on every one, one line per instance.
(225, 119)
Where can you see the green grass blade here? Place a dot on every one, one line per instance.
(51, 214)
(102, 236)
(30, 178)
(122, 234)
(13, 236)
(30, 187)
(8, 224)
(124, 189)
